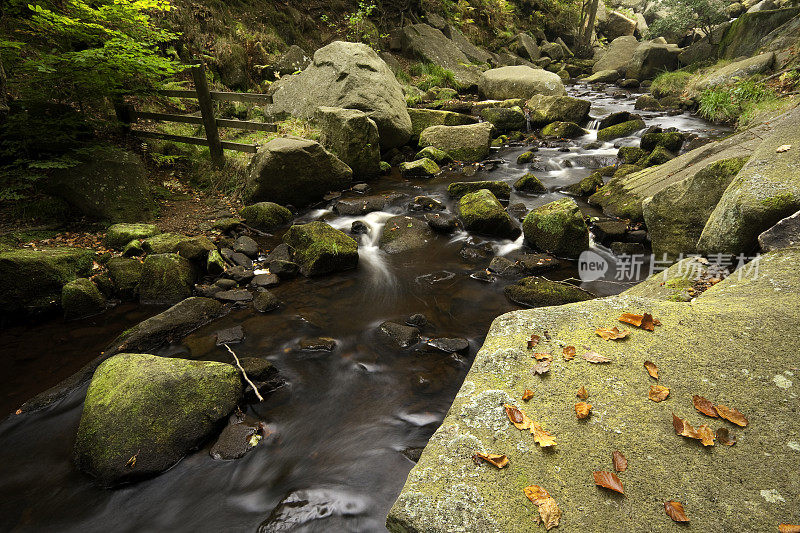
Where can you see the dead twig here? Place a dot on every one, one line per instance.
(247, 379)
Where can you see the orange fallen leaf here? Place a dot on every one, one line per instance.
(703, 433)
(608, 480)
(583, 410)
(594, 357)
(731, 415)
(492, 458)
(619, 460)
(569, 353)
(704, 406)
(612, 333)
(517, 417)
(724, 437)
(675, 511)
(788, 528)
(706, 435)
(542, 356)
(542, 437)
(652, 369)
(645, 321)
(582, 394)
(549, 513)
(541, 367)
(536, 494)
(533, 342)
(522, 422)
(658, 393)
(527, 395)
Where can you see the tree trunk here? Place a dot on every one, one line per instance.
(3, 96)
(588, 29)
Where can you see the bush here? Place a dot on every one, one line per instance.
(686, 15)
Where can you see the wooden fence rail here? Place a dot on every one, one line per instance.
(205, 99)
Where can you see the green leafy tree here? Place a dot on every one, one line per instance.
(687, 15)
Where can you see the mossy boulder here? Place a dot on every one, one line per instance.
(266, 216)
(557, 228)
(743, 37)
(505, 119)
(563, 130)
(658, 156)
(196, 248)
(519, 81)
(440, 157)
(671, 140)
(463, 143)
(125, 274)
(215, 264)
(587, 185)
(603, 76)
(647, 102)
(676, 215)
(143, 413)
(421, 168)
(81, 298)
(166, 279)
(525, 157)
(425, 118)
(31, 280)
(321, 249)
(163, 243)
(481, 212)
(404, 233)
(290, 170)
(535, 291)
(623, 129)
(500, 189)
(118, 235)
(530, 184)
(631, 154)
(546, 109)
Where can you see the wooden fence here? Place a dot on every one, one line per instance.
(206, 99)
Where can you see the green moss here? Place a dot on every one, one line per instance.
(163, 244)
(166, 279)
(671, 140)
(500, 189)
(630, 154)
(266, 215)
(118, 235)
(563, 130)
(557, 228)
(420, 168)
(481, 212)
(439, 156)
(81, 298)
(670, 83)
(623, 129)
(321, 249)
(535, 291)
(659, 156)
(530, 184)
(125, 274)
(525, 157)
(587, 185)
(779, 202)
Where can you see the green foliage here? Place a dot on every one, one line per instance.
(359, 27)
(670, 83)
(427, 75)
(685, 15)
(727, 104)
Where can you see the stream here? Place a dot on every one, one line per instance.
(346, 422)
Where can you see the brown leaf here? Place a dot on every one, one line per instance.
(608, 480)
(611, 333)
(619, 460)
(541, 367)
(582, 394)
(652, 369)
(704, 406)
(675, 511)
(683, 428)
(594, 357)
(527, 395)
(724, 437)
(788, 528)
(514, 414)
(583, 410)
(542, 356)
(533, 342)
(658, 393)
(569, 353)
(549, 513)
(542, 437)
(706, 435)
(645, 321)
(536, 494)
(492, 458)
(731, 415)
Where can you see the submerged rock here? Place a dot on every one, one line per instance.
(557, 228)
(481, 212)
(449, 345)
(265, 301)
(143, 413)
(399, 334)
(321, 249)
(235, 441)
(539, 292)
(500, 189)
(317, 509)
(442, 222)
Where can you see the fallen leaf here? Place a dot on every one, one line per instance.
(542, 356)
(783, 148)
(658, 393)
(255, 438)
(788, 528)
(675, 511)
(541, 367)
(652, 369)
(569, 353)
(132, 461)
(619, 460)
(533, 342)
(611, 333)
(724, 437)
(706, 435)
(492, 458)
(645, 321)
(542, 437)
(549, 513)
(704, 406)
(583, 410)
(731, 415)
(594, 357)
(527, 395)
(608, 480)
(683, 428)
(517, 417)
(582, 394)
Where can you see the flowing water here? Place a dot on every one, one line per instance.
(347, 421)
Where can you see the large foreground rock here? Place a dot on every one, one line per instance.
(463, 143)
(766, 190)
(351, 136)
(31, 280)
(618, 55)
(711, 347)
(519, 82)
(431, 46)
(143, 413)
(290, 170)
(321, 249)
(349, 75)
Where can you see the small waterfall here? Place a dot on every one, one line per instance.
(507, 246)
(369, 253)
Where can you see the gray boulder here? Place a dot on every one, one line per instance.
(738, 69)
(463, 143)
(404, 233)
(617, 25)
(352, 76)
(425, 118)
(430, 45)
(166, 279)
(557, 228)
(143, 413)
(351, 136)
(651, 59)
(290, 170)
(505, 119)
(321, 249)
(782, 235)
(525, 46)
(519, 82)
(294, 59)
(618, 55)
(546, 109)
(473, 53)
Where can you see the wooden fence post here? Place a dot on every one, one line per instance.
(207, 111)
